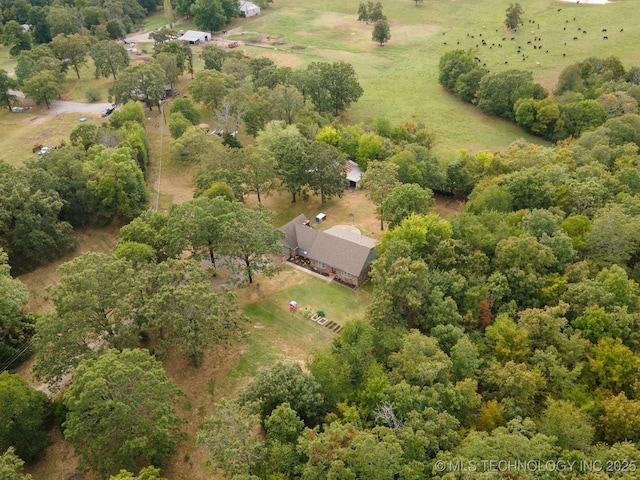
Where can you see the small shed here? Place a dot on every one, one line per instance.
(194, 37)
(321, 217)
(248, 9)
(353, 173)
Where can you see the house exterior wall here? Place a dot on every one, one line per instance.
(340, 274)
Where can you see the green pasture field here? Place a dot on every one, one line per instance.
(400, 79)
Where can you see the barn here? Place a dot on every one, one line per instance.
(248, 9)
(194, 37)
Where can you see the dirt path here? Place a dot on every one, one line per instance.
(63, 106)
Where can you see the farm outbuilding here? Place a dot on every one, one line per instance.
(248, 9)
(194, 37)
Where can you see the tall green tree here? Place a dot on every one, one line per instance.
(208, 15)
(117, 184)
(140, 82)
(327, 173)
(379, 180)
(249, 241)
(381, 32)
(192, 318)
(23, 417)
(11, 466)
(405, 200)
(260, 172)
(332, 87)
(13, 35)
(287, 145)
(285, 383)
(285, 102)
(122, 388)
(71, 50)
(230, 435)
(95, 303)
(42, 88)
(514, 16)
(210, 87)
(15, 323)
(7, 84)
(31, 232)
(109, 58)
(64, 19)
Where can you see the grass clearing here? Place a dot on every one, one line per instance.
(35, 127)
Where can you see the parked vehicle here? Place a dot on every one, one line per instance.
(108, 111)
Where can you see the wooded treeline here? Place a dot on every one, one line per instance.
(588, 93)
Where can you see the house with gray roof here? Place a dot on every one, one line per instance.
(340, 252)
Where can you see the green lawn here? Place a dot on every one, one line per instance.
(277, 333)
(400, 79)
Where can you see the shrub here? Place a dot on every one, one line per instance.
(92, 95)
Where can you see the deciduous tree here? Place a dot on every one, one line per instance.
(260, 172)
(42, 88)
(140, 82)
(71, 50)
(95, 303)
(327, 174)
(122, 388)
(231, 437)
(7, 84)
(379, 180)
(109, 58)
(249, 241)
(404, 200)
(192, 318)
(11, 466)
(514, 16)
(285, 383)
(381, 32)
(22, 418)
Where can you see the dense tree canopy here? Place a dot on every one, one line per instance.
(132, 384)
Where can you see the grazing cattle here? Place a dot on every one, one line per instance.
(605, 38)
(604, 29)
(575, 38)
(622, 30)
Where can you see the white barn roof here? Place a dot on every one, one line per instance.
(193, 36)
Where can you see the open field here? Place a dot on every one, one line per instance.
(400, 79)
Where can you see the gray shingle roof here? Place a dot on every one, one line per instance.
(337, 252)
